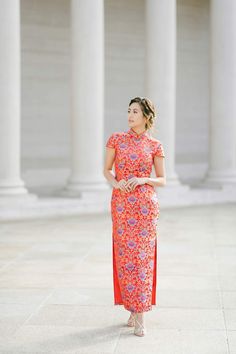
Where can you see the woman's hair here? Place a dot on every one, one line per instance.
(148, 110)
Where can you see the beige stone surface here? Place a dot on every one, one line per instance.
(56, 290)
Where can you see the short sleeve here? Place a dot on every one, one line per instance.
(111, 142)
(159, 150)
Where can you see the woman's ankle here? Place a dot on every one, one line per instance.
(140, 315)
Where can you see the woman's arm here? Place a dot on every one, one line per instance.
(160, 180)
(109, 161)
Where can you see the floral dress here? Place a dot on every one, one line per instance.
(134, 221)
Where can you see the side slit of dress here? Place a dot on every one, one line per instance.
(154, 275)
(117, 293)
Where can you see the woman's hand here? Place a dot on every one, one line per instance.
(122, 185)
(135, 181)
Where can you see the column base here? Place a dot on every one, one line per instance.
(173, 180)
(81, 190)
(218, 180)
(12, 191)
(12, 188)
(173, 195)
(14, 201)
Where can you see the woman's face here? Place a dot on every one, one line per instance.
(136, 118)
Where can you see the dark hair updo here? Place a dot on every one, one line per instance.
(148, 110)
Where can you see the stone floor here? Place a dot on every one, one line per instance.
(56, 293)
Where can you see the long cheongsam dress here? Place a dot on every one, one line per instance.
(134, 221)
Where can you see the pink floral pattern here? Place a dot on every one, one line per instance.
(134, 221)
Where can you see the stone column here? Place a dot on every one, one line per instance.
(10, 181)
(161, 74)
(222, 132)
(87, 96)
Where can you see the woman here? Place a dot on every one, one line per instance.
(135, 210)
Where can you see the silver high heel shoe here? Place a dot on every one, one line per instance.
(140, 330)
(131, 320)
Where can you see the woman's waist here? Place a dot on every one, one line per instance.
(139, 188)
(128, 177)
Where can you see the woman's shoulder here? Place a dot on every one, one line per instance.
(158, 147)
(154, 140)
(118, 134)
(114, 138)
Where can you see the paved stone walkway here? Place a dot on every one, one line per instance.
(56, 292)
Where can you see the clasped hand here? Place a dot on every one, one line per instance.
(131, 183)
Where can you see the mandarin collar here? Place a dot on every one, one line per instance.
(136, 135)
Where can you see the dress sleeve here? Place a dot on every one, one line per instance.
(111, 141)
(159, 150)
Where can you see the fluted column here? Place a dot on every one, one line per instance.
(10, 181)
(222, 132)
(161, 74)
(87, 96)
